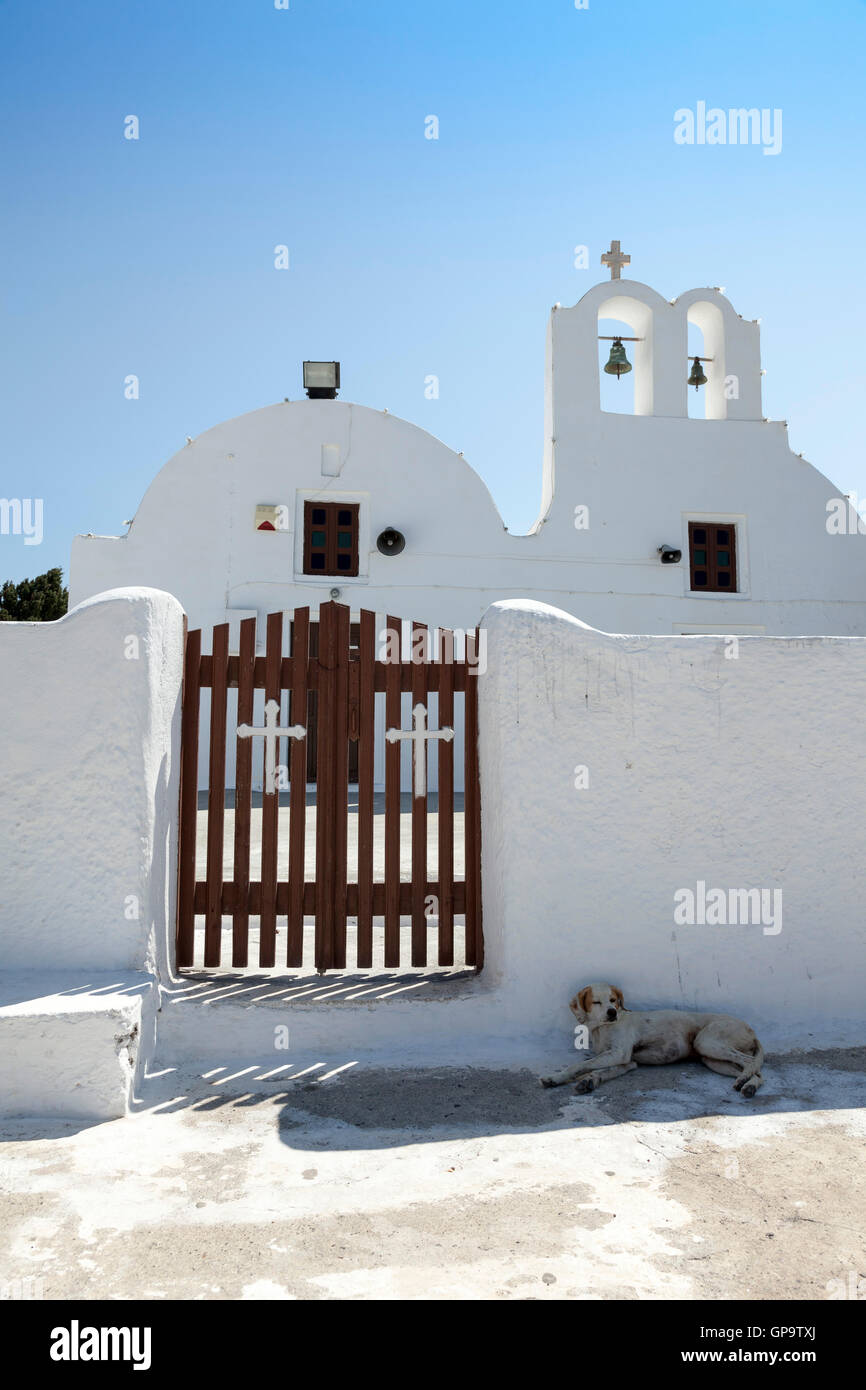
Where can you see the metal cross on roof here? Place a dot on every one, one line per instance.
(615, 260)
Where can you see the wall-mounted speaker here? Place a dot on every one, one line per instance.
(390, 542)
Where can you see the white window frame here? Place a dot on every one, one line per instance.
(744, 585)
(327, 495)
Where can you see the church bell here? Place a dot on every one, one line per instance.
(697, 376)
(617, 364)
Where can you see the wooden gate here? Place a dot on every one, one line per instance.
(301, 877)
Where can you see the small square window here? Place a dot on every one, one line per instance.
(713, 557)
(331, 538)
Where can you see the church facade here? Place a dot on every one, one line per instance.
(298, 502)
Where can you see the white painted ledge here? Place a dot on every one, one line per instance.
(73, 1046)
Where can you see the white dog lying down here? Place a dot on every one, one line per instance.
(622, 1040)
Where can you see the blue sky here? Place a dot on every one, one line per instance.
(409, 256)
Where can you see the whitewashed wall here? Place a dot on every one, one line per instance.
(741, 772)
(90, 721)
(90, 710)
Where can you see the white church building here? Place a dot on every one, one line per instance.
(585, 815)
(651, 522)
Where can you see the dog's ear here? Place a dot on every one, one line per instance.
(617, 994)
(584, 999)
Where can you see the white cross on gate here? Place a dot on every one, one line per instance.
(419, 735)
(270, 733)
(615, 259)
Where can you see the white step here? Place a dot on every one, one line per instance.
(72, 1045)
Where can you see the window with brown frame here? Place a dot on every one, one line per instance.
(713, 557)
(331, 538)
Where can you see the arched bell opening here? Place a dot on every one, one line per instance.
(706, 338)
(616, 387)
(625, 347)
(694, 369)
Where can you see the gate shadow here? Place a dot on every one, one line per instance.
(357, 1106)
(353, 1105)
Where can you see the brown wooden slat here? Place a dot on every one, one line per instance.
(298, 789)
(392, 794)
(254, 898)
(446, 799)
(216, 795)
(312, 739)
(325, 788)
(420, 759)
(270, 802)
(340, 737)
(243, 792)
(366, 751)
(432, 677)
(286, 671)
(286, 675)
(188, 799)
(354, 682)
(470, 821)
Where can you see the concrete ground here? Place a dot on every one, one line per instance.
(448, 1184)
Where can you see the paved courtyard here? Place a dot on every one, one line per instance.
(448, 1184)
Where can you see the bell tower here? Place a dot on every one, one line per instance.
(659, 343)
(654, 347)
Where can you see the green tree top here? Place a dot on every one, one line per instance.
(39, 600)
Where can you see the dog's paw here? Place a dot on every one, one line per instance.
(547, 1081)
(585, 1085)
(747, 1086)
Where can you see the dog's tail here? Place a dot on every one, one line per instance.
(753, 1068)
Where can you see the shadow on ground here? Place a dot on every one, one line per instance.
(357, 1106)
(376, 1109)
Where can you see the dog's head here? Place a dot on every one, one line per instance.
(597, 1004)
